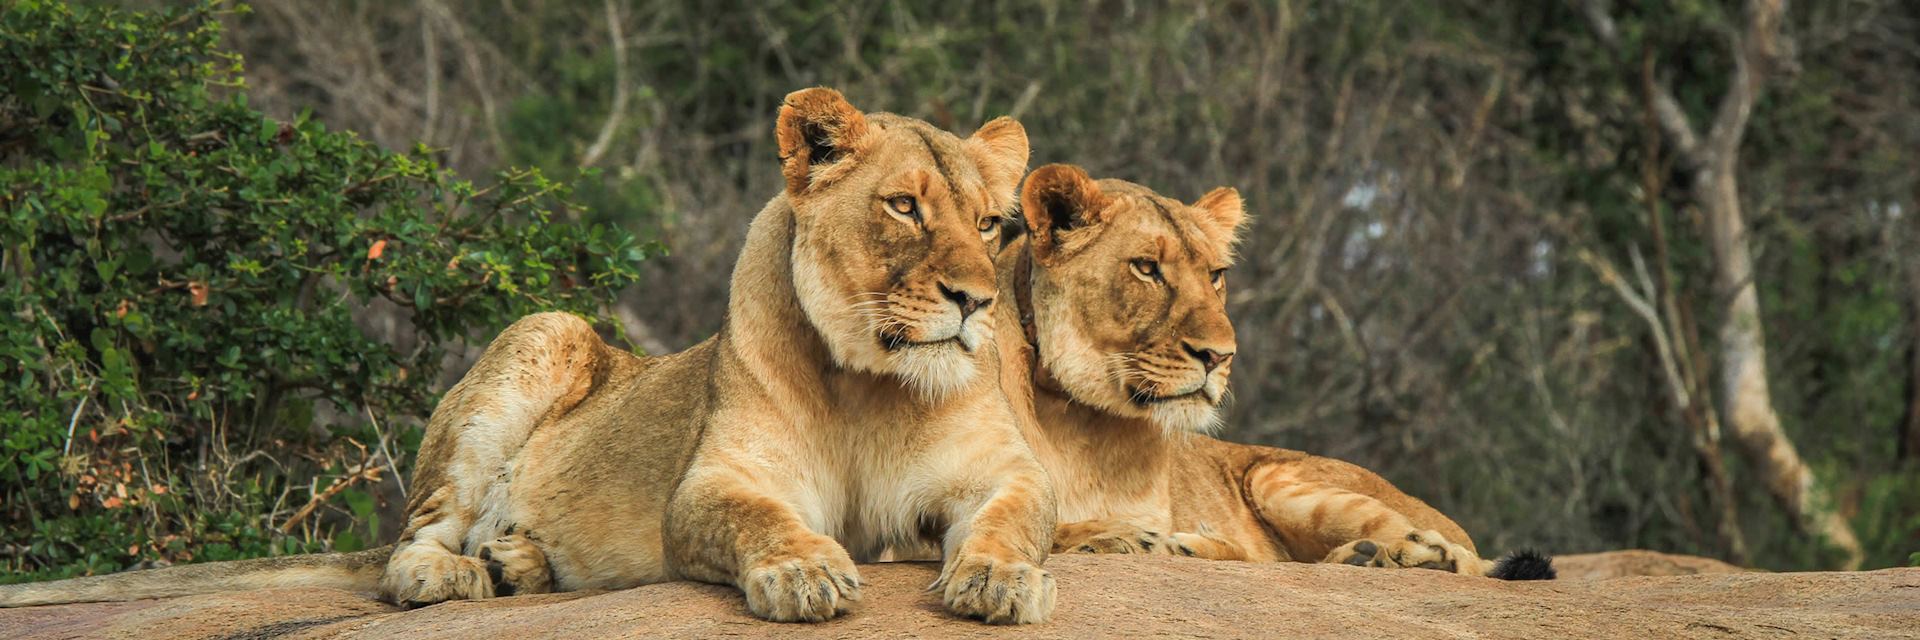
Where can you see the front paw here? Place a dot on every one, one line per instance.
(808, 582)
(997, 592)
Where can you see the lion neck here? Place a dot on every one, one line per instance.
(1100, 463)
(766, 329)
(776, 344)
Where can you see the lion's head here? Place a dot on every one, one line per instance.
(1129, 294)
(893, 221)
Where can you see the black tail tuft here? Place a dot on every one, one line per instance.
(1525, 564)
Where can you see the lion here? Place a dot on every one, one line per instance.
(850, 403)
(1120, 295)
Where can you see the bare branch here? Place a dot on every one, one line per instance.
(620, 91)
(430, 53)
(1753, 51)
(1642, 307)
(1672, 119)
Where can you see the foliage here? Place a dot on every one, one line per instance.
(196, 296)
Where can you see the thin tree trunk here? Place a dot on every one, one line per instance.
(1746, 401)
(1703, 425)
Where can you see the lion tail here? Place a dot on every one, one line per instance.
(358, 571)
(1524, 564)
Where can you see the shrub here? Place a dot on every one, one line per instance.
(189, 351)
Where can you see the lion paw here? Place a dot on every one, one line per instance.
(1185, 544)
(997, 592)
(1105, 536)
(516, 566)
(1418, 550)
(810, 586)
(432, 577)
(1148, 542)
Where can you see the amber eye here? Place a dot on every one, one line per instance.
(989, 227)
(1219, 278)
(1145, 269)
(905, 207)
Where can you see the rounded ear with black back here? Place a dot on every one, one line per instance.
(1058, 200)
(817, 130)
(1222, 215)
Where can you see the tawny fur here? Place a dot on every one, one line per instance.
(848, 405)
(1142, 477)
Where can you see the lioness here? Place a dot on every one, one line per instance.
(1121, 295)
(849, 403)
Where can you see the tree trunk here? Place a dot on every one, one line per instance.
(1747, 401)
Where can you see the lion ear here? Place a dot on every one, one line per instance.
(816, 131)
(1222, 213)
(1059, 198)
(1000, 149)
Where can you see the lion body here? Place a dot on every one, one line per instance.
(774, 455)
(1136, 476)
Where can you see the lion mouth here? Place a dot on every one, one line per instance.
(897, 340)
(1143, 398)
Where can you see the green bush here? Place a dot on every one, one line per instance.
(188, 349)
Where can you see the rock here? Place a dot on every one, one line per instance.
(1636, 562)
(1100, 596)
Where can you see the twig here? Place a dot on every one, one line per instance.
(75, 421)
(392, 464)
(1640, 306)
(366, 471)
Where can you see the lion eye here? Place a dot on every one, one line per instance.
(905, 207)
(989, 225)
(1145, 269)
(1219, 278)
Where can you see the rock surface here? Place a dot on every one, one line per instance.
(1636, 562)
(1100, 596)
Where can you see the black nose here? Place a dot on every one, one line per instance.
(1209, 359)
(967, 302)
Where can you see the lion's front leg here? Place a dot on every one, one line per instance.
(721, 529)
(994, 555)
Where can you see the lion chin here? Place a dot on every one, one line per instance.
(1189, 415)
(934, 371)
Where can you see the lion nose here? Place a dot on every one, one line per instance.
(1209, 358)
(967, 301)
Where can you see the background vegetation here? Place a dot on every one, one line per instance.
(1483, 259)
(194, 361)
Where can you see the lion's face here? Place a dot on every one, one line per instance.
(1129, 295)
(892, 228)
